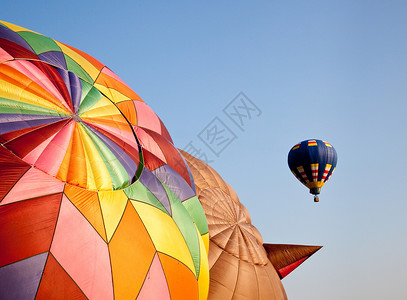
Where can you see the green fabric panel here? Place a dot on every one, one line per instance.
(137, 191)
(90, 96)
(120, 178)
(197, 214)
(8, 106)
(39, 43)
(186, 226)
(74, 67)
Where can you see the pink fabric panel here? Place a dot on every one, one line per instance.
(4, 56)
(155, 285)
(149, 144)
(56, 150)
(108, 72)
(34, 183)
(32, 72)
(126, 136)
(146, 117)
(32, 157)
(82, 253)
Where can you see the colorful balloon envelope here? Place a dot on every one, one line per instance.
(313, 162)
(95, 200)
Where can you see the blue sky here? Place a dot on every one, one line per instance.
(333, 70)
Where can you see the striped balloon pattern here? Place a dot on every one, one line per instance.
(95, 200)
(312, 162)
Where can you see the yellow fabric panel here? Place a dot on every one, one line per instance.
(98, 169)
(203, 279)
(15, 27)
(205, 239)
(313, 184)
(164, 233)
(131, 252)
(112, 94)
(87, 203)
(13, 92)
(104, 107)
(84, 63)
(64, 167)
(113, 204)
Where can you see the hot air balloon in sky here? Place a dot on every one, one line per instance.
(95, 201)
(313, 162)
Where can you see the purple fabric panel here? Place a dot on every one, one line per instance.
(12, 122)
(10, 35)
(129, 164)
(76, 90)
(20, 280)
(55, 58)
(154, 186)
(174, 182)
(189, 173)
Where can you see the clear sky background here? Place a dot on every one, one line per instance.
(332, 70)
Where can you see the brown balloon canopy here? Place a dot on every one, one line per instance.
(239, 265)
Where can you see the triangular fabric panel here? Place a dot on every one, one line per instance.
(20, 280)
(57, 284)
(33, 183)
(131, 253)
(18, 222)
(155, 284)
(283, 255)
(12, 168)
(88, 266)
(113, 204)
(181, 282)
(87, 202)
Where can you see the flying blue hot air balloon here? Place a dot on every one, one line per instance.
(313, 162)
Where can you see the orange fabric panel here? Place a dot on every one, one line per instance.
(129, 111)
(26, 84)
(114, 121)
(181, 281)
(56, 283)
(112, 83)
(131, 253)
(62, 173)
(88, 204)
(77, 171)
(26, 227)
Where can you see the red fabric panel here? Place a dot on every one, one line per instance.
(8, 136)
(54, 76)
(283, 272)
(165, 133)
(17, 51)
(151, 161)
(56, 283)
(26, 143)
(27, 227)
(11, 169)
(174, 159)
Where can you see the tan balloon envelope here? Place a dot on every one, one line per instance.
(239, 265)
